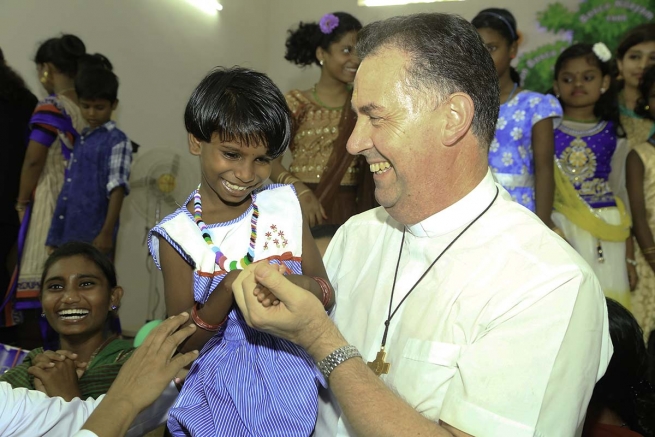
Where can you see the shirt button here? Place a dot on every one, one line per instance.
(61, 217)
(74, 160)
(68, 180)
(65, 198)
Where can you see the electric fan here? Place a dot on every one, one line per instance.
(161, 181)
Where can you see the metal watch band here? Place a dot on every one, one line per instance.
(338, 356)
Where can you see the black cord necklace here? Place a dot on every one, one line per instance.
(379, 366)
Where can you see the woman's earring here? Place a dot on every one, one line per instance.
(602, 90)
(557, 95)
(647, 108)
(44, 77)
(114, 307)
(43, 314)
(320, 62)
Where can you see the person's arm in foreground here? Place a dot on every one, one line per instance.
(301, 319)
(142, 378)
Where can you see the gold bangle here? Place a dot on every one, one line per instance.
(308, 190)
(280, 178)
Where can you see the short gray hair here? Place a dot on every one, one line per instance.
(447, 56)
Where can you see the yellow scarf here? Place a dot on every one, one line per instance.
(568, 202)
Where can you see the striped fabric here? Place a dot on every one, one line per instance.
(245, 382)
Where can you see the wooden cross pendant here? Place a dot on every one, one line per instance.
(379, 366)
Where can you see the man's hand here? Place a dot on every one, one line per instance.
(152, 365)
(143, 377)
(58, 379)
(299, 317)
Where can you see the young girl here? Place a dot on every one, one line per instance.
(244, 382)
(635, 53)
(330, 182)
(78, 295)
(594, 221)
(521, 155)
(640, 179)
(55, 125)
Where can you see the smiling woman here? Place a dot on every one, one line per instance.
(79, 293)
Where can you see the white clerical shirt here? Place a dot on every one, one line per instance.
(31, 413)
(505, 336)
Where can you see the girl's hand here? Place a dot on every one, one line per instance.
(59, 380)
(47, 360)
(311, 208)
(633, 277)
(263, 294)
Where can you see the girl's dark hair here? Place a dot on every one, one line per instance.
(645, 86)
(302, 43)
(642, 33)
(78, 248)
(503, 22)
(11, 83)
(624, 388)
(606, 108)
(64, 52)
(239, 105)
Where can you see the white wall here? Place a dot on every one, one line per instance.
(161, 49)
(287, 13)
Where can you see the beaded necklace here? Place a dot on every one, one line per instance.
(220, 256)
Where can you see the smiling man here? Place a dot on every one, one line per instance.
(471, 317)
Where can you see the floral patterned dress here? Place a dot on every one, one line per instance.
(510, 154)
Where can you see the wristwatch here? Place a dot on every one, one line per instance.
(329, 363)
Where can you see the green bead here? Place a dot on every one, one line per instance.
(233, 265)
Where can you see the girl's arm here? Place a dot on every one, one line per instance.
(178, 295)
(635, 185)
(543, 148)
(312, 265)
(35, 158)
(311, 207)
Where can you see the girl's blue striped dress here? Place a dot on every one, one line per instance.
(245, 382)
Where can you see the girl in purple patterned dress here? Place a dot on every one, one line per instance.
(521, 154)
(245, 382)
(589, 165)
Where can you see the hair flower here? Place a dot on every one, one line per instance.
(328, 23)
(601, 50)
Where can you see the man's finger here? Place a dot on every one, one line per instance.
(276, 283)
(159, 335)
(180, 361)
(171, 344)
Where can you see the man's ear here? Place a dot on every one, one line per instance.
(458, 111)
(195, 146)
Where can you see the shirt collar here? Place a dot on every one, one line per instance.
(110, 125)
(458, 214)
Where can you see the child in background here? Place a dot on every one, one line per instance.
(244, 382)
(623, 402)
(521, 155)
(97, 176)
(588, 155)
(640, 176)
